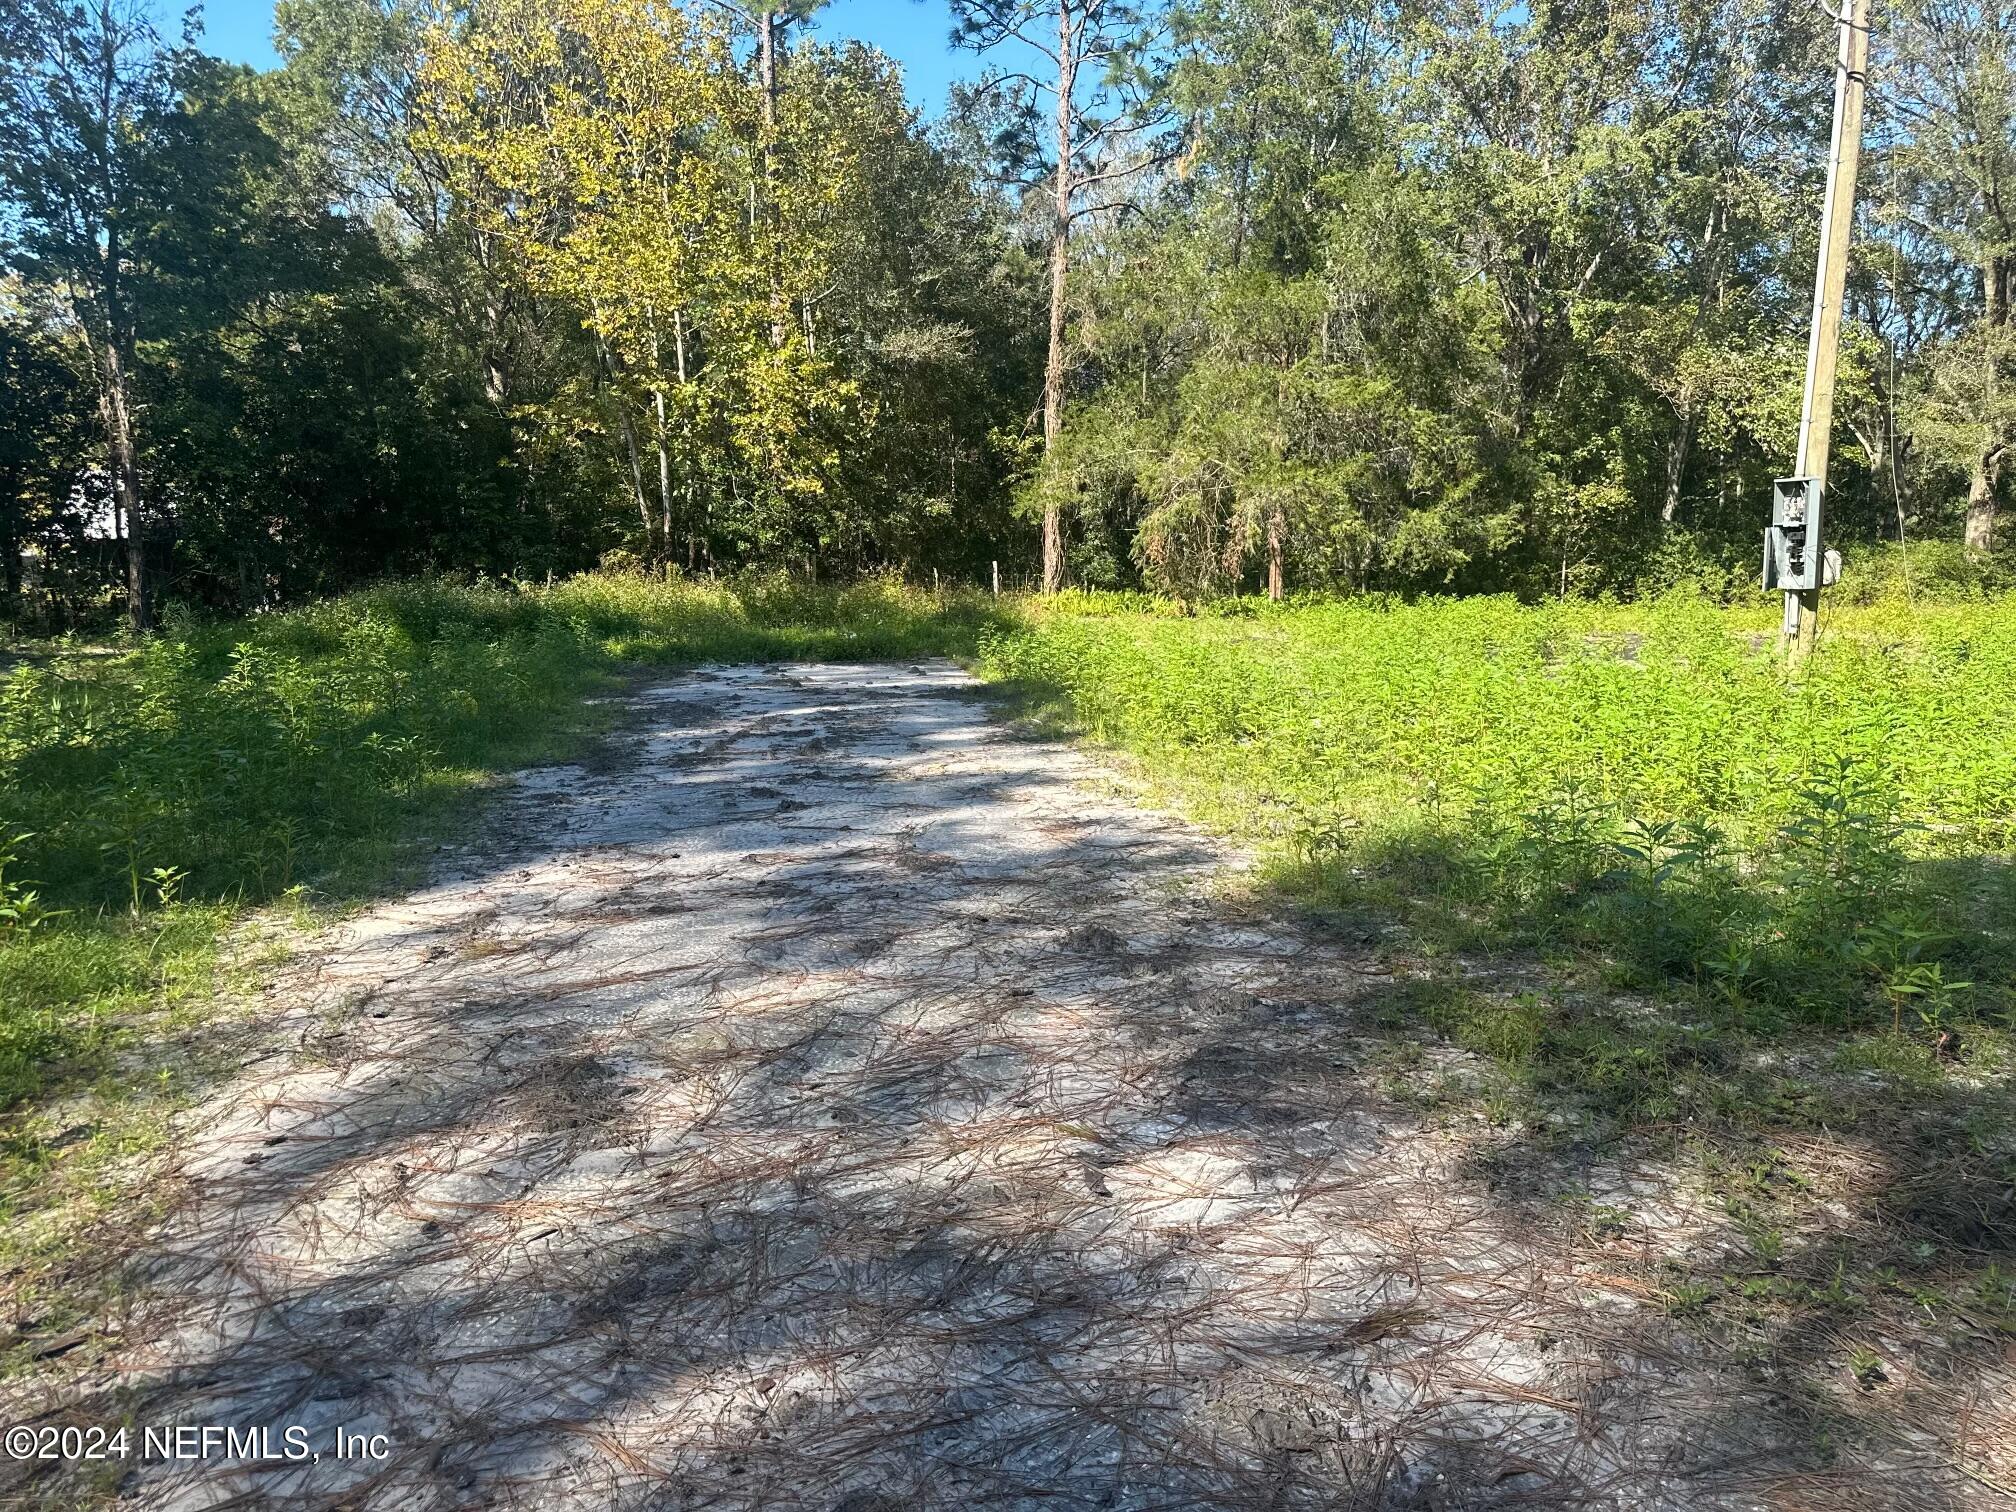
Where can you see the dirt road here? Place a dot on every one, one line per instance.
(830, 1100)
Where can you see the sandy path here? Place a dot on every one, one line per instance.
(834, 1102)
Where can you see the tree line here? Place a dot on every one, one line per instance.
(1207, 296)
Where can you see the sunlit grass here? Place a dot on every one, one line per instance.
(1645, 788)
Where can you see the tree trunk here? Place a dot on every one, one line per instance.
(496, 344)
(1277, 542)
(664, 465)
(1676, 462)
(1060, 245)
(768, 25)
(1997, 273)
(694, 510)
(1981, 504)
(122, 459)
(636, 471)
(1242, 184)
(1893, 457)
(628, 429)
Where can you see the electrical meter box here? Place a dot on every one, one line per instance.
(1794, 559)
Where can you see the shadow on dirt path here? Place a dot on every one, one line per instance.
(832, 1101)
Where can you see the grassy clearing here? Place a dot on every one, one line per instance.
(1656, 888)
(1647, 783)
(1667, 895)
(148, 800)
(1641, 789)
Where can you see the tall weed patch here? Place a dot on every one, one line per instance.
(1648, 783)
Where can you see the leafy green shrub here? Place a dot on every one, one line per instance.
(1938, 572)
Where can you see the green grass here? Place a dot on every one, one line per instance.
(144, 798)
(1645, 787)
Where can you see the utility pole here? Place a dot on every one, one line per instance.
(1795, 557)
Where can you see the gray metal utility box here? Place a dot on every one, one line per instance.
(1794, 558)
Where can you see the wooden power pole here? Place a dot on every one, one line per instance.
(1830, 283)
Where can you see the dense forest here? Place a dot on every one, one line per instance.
(1217, 296)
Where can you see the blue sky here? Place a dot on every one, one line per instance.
(913, 32)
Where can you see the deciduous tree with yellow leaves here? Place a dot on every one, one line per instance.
(620, 148)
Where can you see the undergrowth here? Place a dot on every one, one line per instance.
(1642, 789)
(1645, 792)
